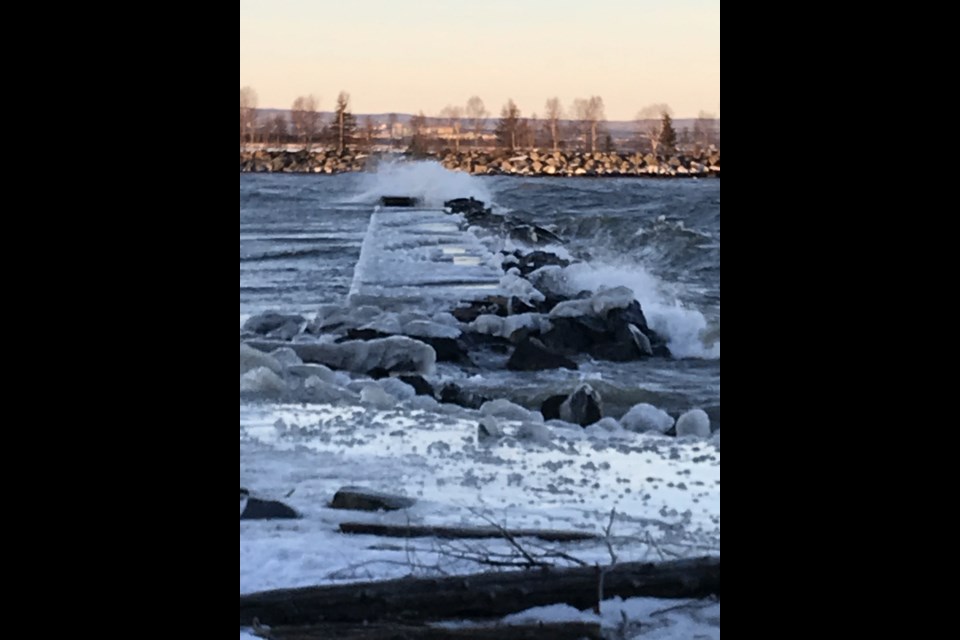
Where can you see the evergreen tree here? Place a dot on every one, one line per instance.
(668, 136)
(344, 123)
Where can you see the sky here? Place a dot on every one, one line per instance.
(405, 56)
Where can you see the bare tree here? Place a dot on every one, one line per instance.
(534, 125)
(705, 129)
(552, 119)
(579, 111)
(418, 140)
(454, 119)
(477, 114)
(595, 115)
(248, 114)
(508, 128)
(392, 127)
(369, 128)
(649, 121)
(306, 119)
(278, 128)
(344, 122)
(590, 115)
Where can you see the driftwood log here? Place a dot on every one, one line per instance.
(396, 631)
(415, 531)
(485, 595)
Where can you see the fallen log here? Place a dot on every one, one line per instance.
(415, 531)
(564, 631)
(485, 595)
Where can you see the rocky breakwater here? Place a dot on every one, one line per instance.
(301, 162)
(535, 322)
(499, 162)
(575, 163)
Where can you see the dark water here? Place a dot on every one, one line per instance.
(300, 237)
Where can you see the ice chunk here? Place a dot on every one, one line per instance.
(646, 417)
(695, 422)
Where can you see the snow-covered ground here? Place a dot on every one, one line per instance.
(664, 492)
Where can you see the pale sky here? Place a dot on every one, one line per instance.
(405, 56)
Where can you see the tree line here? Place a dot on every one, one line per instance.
(581, 127)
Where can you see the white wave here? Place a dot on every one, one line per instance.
(686, 329)
(426, 180)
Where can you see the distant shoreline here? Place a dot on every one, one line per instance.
(536, 163)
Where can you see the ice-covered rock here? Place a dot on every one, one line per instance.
(641, 340)
(264, 323)
(423, 403)
(489, 429)
(262, 380)
(532, 355)
(452, 393)
(506, 410)
(286, 356)
(387, 323)
(535, 432)
(501, 327)
(607, 424)
(396, 353)
(512, 284)
(321, 391)
(251, 358)
(374, 395)
(487, 324)
(419, 384)
(428, 329)
(304, 371)
(360, 499)
(334, 317)
(695, 422)
(572, 309)
(646, 417)
(551, 280)
(252, 508)
(584, 406)
(613, 298)
(397, 388)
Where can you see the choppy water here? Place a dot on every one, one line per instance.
(300, 237)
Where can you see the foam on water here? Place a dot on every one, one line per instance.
(428, 181)
(685, 328)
